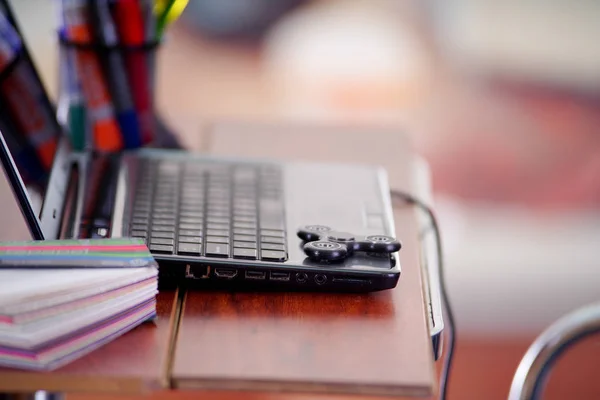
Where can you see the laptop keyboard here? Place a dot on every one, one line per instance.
(193, 208)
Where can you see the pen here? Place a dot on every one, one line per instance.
(130, 26)
(115, 73)
(106, 132)
(168, 11)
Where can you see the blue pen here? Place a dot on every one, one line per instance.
(116, 74)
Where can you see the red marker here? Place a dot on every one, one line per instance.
(130, 25)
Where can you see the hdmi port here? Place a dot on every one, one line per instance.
(280, 276)
(225, 273)
(256, 275)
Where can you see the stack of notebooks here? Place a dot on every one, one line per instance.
(60, 300)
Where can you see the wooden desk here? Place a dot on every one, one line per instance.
(370, 344)
(376, 344)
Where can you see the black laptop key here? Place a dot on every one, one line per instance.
(139, 234)
(169, 227)
(140, 227)
(217, 239)
(245, 238)
(141, 211)
(190, 226)
(163, 235)
(245, 203)
(272, 255)
(244, 245)
(141, 214)
(272, 246)
(192, 208)
(244, 225)
(240, 208)
(244, 231)
(217, 220)
(218, 204)
(159, 230)
(191, 214)
(272, 239)
(190, 249)
(213, 225)
(218, 232)
(190, 239)
(191, 220)
(198, 208)
(272, 232)
(218, 214)
(250, 254)
(163, 221)
(244, 214)
(161, 248)
(217, 249)
(219, 198)
(190, 232)
(245, 218)
(164, 199)
(155, 240)
(192, 198)
(163, 215)
(193, 192)
(168, 210)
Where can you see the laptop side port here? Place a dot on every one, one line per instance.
(197, 271)
(280, 276)
(301, 277)
(259, 275)
(225, 273)
(320, 279)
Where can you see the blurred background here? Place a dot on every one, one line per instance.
(501, 98)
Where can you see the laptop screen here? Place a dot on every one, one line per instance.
(28, 122)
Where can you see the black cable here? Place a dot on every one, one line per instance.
(407, 198)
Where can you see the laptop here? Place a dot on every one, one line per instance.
(213, 221)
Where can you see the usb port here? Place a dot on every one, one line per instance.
(256, 275)
(226, 273)
(280, 276)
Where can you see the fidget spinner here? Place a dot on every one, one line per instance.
(323, 244)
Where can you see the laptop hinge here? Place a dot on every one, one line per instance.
(73, 199)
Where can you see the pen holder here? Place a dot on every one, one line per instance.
(107, 97)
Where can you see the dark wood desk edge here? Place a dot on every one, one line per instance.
(295, 387)
(29, 382)
(25, 382)
(174, 324)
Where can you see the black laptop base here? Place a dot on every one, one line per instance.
(229, 274)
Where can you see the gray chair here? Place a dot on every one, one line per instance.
(529, 379)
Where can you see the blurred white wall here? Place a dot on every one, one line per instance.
(544, 41)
